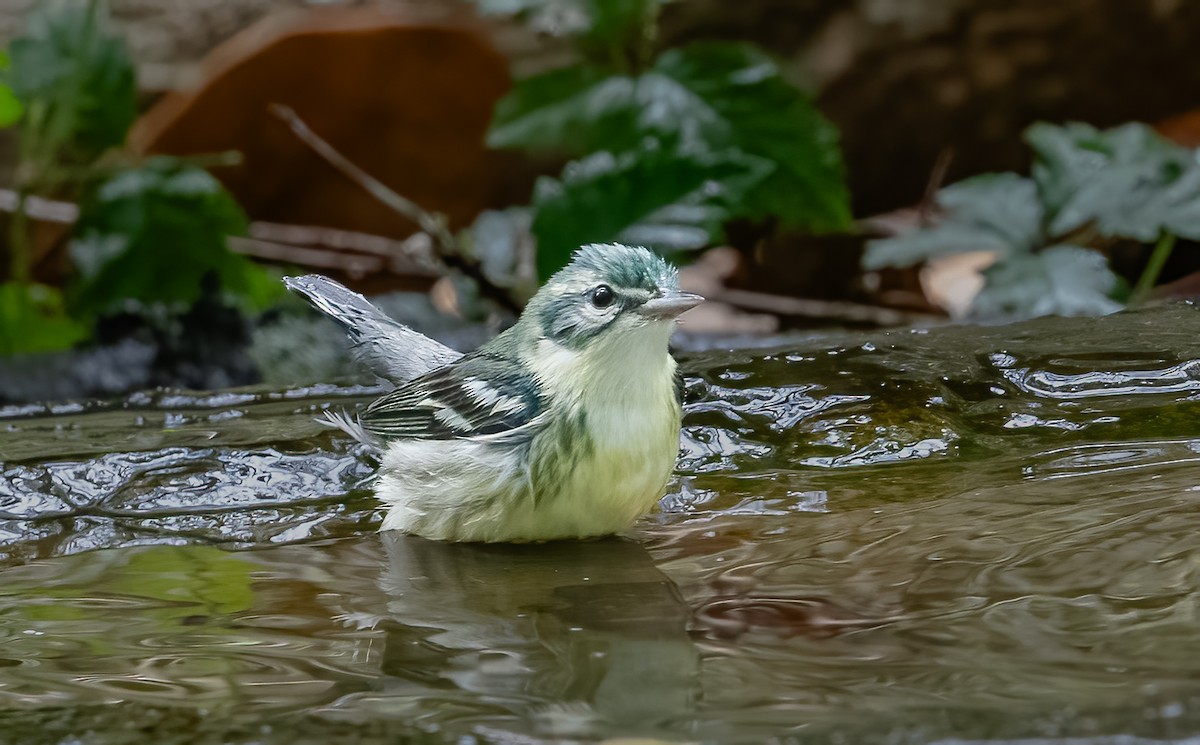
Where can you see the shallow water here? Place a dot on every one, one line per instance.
(955, 535)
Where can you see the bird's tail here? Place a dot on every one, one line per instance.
(342, 304)
(349, 424)
(391, 350)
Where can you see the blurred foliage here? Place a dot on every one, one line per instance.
(76, 83)
(1088, 188)
(10, 105)
(652, 195)
(34, 319)
(610, 30)
(154, 232)
(670, 146)
(147, 233)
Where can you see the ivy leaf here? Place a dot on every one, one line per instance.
(1127, 182)
(1061, 280)
(994, 212)
(726, 99)
(658, 195)
(33, 319)
(154, 234)
(75, 80)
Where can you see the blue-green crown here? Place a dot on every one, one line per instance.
(620, 266)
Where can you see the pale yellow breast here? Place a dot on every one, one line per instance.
(626, 393)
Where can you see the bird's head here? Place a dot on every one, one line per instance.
(608, 290)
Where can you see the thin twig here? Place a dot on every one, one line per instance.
(446, 245)
(302, 245)
(39, 208)
(413, 255)
(783, 305)
(433, 224)
(357, 266)
(937, 177)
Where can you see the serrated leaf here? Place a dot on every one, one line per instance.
(1061, 280)
(602, 23)
(605, 197)
(751, 108)
(154, 234)
(577, 110)
(619, 23)
(33, 319)
(725, 98)
(676, 227)
(74, 77)
(572, 110)
(1125, 182)
(994, 212)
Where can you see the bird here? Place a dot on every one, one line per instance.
(564, 426)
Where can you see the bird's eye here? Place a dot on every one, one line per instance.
(603, 296)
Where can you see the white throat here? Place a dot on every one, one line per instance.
(624, 368)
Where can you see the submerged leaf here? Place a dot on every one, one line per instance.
(994, 212)
(154, 234)
(33, 318)
(1061, 280)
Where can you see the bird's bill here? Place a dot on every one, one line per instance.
(669, 305)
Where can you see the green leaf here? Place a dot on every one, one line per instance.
(1125, 182)
(653, 193)
(33, 319)
(10, 106)
(606, 24)
(614, 24)
(154, 234)
(573, 110)
(993, 212)
(725, 98)
(578, 109)
(1061, 280)
(747, 105)
(74, 78)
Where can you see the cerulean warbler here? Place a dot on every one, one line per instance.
(564, 426)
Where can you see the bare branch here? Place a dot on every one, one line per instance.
(782, 305)
(446, 245)
(431, 223)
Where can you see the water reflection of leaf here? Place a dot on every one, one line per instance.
(185, 581)
(201, 577)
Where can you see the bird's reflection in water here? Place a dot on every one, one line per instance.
(561, 639)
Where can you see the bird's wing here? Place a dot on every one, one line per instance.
(481, 394)
(391, 350)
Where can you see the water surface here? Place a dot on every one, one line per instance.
(967, 534)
